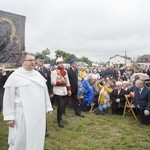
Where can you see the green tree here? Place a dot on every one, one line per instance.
(86, 60)
(66, 56)
(44, 54)
(59, 53)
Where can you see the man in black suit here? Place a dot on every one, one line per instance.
(47, 75)
(3, 78)
(118, 99)
(142, 101)
(44, 72)
(73, 78)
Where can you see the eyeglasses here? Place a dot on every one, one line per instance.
(29, 59)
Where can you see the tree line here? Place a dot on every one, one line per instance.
(60, 53)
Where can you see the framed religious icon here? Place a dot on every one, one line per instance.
(12, 38)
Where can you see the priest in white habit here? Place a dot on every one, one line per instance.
(26, 102)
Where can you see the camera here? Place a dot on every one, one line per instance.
(101, 83)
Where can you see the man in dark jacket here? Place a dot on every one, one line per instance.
(44, 72)
(73, 78)
(47, 75)
(3, 78)
(118, 99)
(142, 101)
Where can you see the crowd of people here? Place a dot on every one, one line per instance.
(32, 90)
(106, 89)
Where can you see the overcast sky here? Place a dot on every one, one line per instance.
(97, 29)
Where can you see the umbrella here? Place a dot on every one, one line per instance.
(147, 82)
(142, 76)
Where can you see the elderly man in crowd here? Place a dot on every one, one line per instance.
(73, 78)
(142, 101)
(26, 101)
(118, 99)
(46, 74)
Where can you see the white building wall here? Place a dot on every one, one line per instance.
(144, 64)
(128, 62)
(119, 60)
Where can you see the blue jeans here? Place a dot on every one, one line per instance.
(103, 107)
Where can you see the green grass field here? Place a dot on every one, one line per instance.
(94, 132)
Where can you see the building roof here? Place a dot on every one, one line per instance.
(120, 56)
(81, 63)
(144, 58)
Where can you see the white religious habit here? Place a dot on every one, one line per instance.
(26, 100)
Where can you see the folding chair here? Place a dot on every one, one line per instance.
(92, 107)
(129, 106)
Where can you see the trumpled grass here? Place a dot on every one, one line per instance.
(94, 132)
